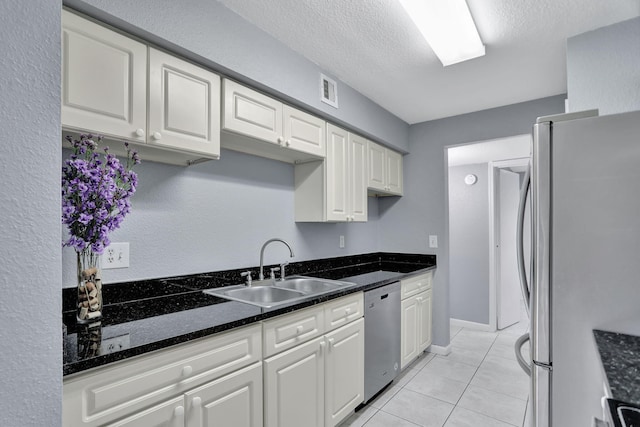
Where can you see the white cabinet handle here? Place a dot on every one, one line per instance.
(419, 299)
(287, 143)
(322, 345)
(197, 401)
(299, 329)
(187, 370)
(157, 135)
(178, 411)
(140, 132)
(347, 311)
(280, 140)
(331, 341)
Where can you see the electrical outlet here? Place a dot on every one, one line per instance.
(342, 241)
(433, 241)
(116, 255)
(111, 345)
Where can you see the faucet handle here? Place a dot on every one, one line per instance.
(273, 272)
(282, 266)
(247, 274)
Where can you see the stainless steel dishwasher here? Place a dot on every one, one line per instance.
(381, 338)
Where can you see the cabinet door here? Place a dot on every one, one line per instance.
(294, 387)
(394, 172)
(344, 372)
(251, 113)
(337, 170)
(376, 166)
(409, 331)
(234, 400)
(304, 132)
(424, 320)
(104, 80)
(167, 414)
(184, 105)
(358, 177)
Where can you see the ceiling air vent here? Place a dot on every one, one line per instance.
(328, 91)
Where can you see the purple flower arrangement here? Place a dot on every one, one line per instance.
(96, 192)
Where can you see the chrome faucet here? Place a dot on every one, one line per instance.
(261, 277)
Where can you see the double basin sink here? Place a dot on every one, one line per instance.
(270, 293)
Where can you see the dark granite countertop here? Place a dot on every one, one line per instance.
(620, 356)
(153, 314)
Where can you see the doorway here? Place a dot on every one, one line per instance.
(473, 223)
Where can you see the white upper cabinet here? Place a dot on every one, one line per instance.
(384, 171)
(337, 174)
(251, 113)
(260, 125)
(117, 87)
(334, 190)
(304, 132)
(358, 177)
(184, 105)
(346, 176)
(104, 87)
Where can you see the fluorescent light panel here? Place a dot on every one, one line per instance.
(448, 27)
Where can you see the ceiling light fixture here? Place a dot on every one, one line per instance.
(448, 27)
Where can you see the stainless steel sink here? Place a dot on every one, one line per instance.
(308, 285)
(262, 294)
(270, 293)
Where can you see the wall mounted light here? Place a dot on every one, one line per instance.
(448, 27)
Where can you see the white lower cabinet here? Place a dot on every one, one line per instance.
(157, 388)
(344, 372)
(294, 387)
(320, 381)
(309, 373)
(416, 318)
(234, 400)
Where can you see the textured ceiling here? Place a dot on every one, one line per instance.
(373, 46)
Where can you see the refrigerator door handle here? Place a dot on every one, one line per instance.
(540, 308)
(524, 285)
(518, 347)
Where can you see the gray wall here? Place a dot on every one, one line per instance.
(30, 300)
(208, 32)
(603, 69)
(216, 215)
(405, 223)
(469, 244)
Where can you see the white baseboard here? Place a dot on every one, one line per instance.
(471, 325)
(437, 349)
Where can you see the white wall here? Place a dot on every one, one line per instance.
(30, 299)
(469, 244)
(216, 216)
(603, 69)
(405, 223)
(209, 33)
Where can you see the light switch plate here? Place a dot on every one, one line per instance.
(433, 241)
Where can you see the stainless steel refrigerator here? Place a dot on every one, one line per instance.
(585, 267)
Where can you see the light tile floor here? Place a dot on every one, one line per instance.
(478, 384)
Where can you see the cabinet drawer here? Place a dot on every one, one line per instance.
(169, 414)
(343, 310)
(415, 285)
(95, 398)
(284, 332)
